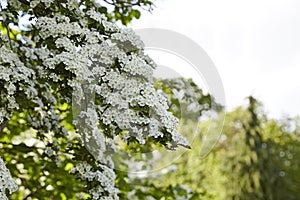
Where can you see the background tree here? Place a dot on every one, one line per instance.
(246, 159)
(282, 144)
(236, 164)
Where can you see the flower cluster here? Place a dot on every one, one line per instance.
(122, 78)
(127, 39)
(14, 76)
(135, 65)
(6, 181)
(193, 101)
(46, 3)
(105, 178)
(96, 15)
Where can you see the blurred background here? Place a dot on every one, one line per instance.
(254, 45)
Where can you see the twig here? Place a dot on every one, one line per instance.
(24, 2)
(9, 40)
(110, 3)
(6, 27)
(124, 4)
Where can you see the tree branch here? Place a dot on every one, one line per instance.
(9, 40)
(5, 24)
(24, 2)
(110, 3)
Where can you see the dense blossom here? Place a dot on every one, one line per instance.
(106, 178)
(187, 100)
(106, 75)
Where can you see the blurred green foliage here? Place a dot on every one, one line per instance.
(256, 158)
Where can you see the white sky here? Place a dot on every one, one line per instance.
(255, 45)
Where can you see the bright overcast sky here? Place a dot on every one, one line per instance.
(255, 45)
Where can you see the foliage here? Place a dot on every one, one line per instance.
(256, 158)
(253, 161)
(127, 10)
(282, 144)
(246, 158)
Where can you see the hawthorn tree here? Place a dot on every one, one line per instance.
(72, 82)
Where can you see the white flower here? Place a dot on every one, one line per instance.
(11, 88)
(47, 2)
(34, 3)
(105, 178)
(128, 35)
(96, 15)
(110, 27)
(49, 151)
(72, 4)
